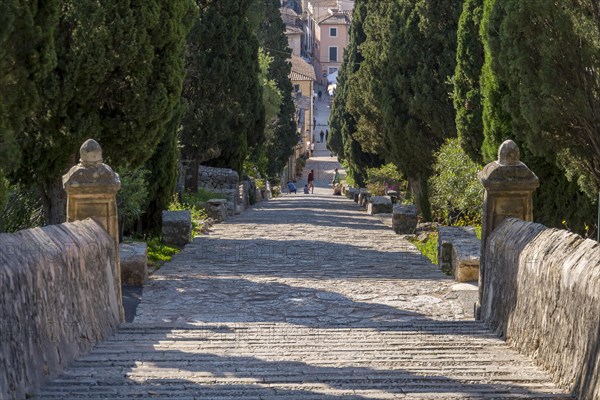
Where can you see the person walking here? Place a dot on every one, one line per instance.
(326, 134)
(337, 190)
(321, 135)
(320, 94)
(311, 181)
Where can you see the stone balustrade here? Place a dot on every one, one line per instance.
(542, 294)
(58, 299)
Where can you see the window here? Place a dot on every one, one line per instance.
(333, 56)
(331, 70)
(333, 32)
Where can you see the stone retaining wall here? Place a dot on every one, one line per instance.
(57, 299)
(543, 295)
(223, 181)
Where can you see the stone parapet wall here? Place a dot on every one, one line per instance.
(57, 299)
(542, 293)
(223, 181)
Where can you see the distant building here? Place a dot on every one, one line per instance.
(303, 78)
(327, 24)
(293, 29)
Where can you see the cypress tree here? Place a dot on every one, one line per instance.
(548, 56)
(164, 169)
(417, 111)
(343, 124)
(364, 86)
(283, 137)
(225, 114)
(467, 93)
(27, 55)
(558, 201)
(118, 79)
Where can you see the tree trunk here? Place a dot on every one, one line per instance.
(54, 199)
(190, 181)
(420, 192)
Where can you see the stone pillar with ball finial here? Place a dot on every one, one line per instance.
(509, 187)
(92, 188)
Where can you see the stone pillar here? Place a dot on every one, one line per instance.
(92, 188)
(509, 186)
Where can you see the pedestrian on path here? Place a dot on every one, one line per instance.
(306, 191)
(321, 135)
(312, 149)
(291, 187)
(320, 94)
(326, 134)
(311, 181)
(336, 183)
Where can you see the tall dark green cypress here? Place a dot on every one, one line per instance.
(417, 111)
(467, 89)
(225, 114)
(271, 36)
(343, 124)
(117, 79)
(27, 55)
(364, 87)
(548, 56)
(558, 201)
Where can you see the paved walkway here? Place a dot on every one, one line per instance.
(301, 297)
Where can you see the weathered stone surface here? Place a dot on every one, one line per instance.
(404, 218)
(303, 297)
(350, 192)
(134, 263)
(57, 300)
(459, 250)
(363, 198)
(176, 227)
(92, 188)
(222, 181)
(509, 186)
(380, 205)
(216, 209)
(543, 295)
(258, 195)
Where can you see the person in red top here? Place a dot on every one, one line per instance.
(311, 181)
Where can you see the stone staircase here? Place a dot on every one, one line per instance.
(302, 297)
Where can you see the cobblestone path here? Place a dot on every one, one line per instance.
(302, 297)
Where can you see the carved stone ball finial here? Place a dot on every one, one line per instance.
(508, 153)
(91, 153)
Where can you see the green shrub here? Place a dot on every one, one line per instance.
(429, 247)
(260, 184)
(387, 177)
(159, 253)
(201, 196)
(23, 209)
(198, 213)
(132, 198)
(456, 193)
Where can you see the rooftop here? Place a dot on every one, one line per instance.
(301, 70)
(337, 18)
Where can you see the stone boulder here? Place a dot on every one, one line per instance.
(380, 205)
(216, 209)
(244, 201)
(405, 219)
(350, 192)
(134, 263)
(459, 252)
(177, 227)
(363, 197)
